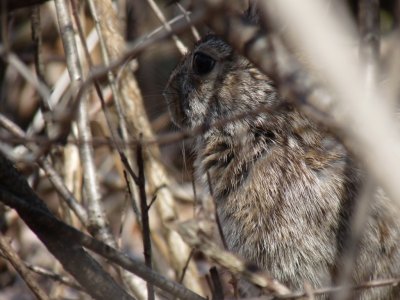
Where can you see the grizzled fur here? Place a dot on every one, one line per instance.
(284, 187)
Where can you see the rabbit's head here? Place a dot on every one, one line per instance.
(214, 82)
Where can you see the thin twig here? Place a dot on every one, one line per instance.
(137, 123)
(38, 43)
(179, 44)
(54, 276)
(111, 78)
(164, 139)
(61, 85)
(330, 290)
(49, 229)
(134, 284)
(186, 266)
(217, 220)
(117, 101)
(145, 218)
(54, 177)
(14, 61)
(132, 198)
(195, 33)
(196, 234)
(139, 46)
(22, 270)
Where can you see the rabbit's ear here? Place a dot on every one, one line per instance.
(252, 15)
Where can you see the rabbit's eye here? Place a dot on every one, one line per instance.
(202, 63)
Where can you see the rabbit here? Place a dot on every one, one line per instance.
(284, 187)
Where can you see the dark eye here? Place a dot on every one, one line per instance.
(202, 63)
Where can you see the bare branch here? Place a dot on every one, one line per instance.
(16, 193)
(14, 61)
(369, 53)
(193, 29)
(54, 177)
(179, 45)
(49, 229)
(20, 267)
(96, 214)
(144, 208)
(134, 114)
(54, 276)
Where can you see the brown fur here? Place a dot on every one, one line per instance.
(284, 187)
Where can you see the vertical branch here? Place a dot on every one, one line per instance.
(145, 217)
(368, 19)
(137, 122)
(216, 216)
(193, 29)
(97, 221)
(37, 41)
(68, 39)
(135, 284)
(111, 78)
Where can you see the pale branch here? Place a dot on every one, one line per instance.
(368, 19)
(193, 29)
(102, 31)
(96, 214)
(134, 284)
(14, 61)
(157, 11)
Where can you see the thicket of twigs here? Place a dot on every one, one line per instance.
(103, 204)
